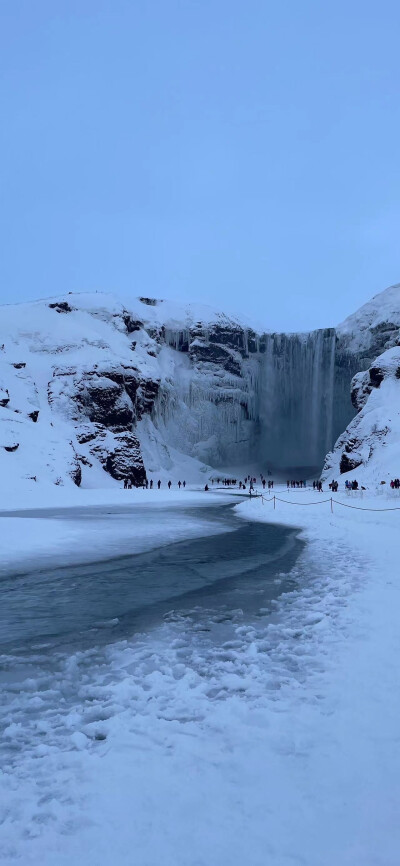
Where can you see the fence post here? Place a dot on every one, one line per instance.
(274, 503)
(331, 505)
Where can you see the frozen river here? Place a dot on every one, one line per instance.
(214, 698)
(209, 584)
(72, 606)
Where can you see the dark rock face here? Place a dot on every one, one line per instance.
(146, 395)
(88, 434)
(360, 390)
(61, 307)
(105, 404)
(131, 324)
(124, 460)
(4, 398)
(114, 397)
(376, 376)
(151, 302)
(20, 366)
(215, 354)
(383, 336)
(76, 472)
(349, 462)
(104, 401)
(232, 339)
(11, 448)
(34, 415)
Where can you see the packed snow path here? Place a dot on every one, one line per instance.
(249, 738)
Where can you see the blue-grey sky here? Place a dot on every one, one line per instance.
(243, 153)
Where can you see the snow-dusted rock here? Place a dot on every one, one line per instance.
(371, 442)
(88, 385)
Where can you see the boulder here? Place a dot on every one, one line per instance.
(4, 397)
(61, 307)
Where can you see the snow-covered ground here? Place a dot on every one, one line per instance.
(267, 741)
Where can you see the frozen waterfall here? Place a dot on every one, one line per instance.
(296, 398)
(277, 401)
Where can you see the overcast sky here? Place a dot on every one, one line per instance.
(243, 153)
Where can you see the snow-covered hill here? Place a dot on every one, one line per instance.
(88, 389)
(92, 393)
(374, 326)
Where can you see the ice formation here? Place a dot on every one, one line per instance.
(92, 393)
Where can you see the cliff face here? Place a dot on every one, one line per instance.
(91, 392)
(368, 446)
(73, 393)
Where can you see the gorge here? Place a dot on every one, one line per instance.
(92, 393)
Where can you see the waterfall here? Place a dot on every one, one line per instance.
(296, 397)
(281, 410)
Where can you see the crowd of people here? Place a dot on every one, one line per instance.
(250, 481)
(149, 485)
(395, 484)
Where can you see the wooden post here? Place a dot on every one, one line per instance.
(331, 505)
(274, 502)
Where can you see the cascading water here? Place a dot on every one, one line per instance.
(296, 398)
(236, 398)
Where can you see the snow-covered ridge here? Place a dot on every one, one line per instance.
(92, 393)
(374, 325)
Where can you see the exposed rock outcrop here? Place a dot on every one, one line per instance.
(371, 442)
(4, 397)
(61, 307)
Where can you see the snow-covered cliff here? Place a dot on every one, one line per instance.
(91, 393)
(369, 446)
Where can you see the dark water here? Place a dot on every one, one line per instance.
(64, 632)
(79, 606)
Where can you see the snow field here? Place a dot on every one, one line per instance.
(273, 740)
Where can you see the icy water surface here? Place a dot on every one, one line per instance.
(59, 628)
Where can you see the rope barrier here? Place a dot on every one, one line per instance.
(275, 499)
(359, 507)
(320, 501)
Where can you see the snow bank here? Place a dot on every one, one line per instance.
(207, 742)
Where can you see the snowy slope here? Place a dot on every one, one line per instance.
(374, 326)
